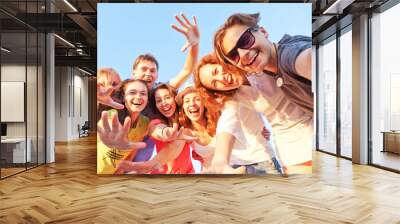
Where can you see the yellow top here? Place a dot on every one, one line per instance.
(108, 158)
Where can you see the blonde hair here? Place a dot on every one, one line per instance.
(108, 74)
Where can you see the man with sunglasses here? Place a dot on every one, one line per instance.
(244, 45)
(279, 78)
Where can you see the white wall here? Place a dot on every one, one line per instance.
(61, 104)
(71, 94)
(80, 102)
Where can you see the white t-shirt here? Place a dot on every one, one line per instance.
(205, 151)
(246, 126)
(292, 128)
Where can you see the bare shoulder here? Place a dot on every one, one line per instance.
(303, 63)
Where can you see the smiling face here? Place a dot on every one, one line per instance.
(256, 56)
(136, 96)
(146, 70)
(165, 102)
(193, 106)
(213, 77)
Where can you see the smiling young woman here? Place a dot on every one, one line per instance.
(114, 140)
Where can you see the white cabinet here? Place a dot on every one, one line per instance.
(17, 145)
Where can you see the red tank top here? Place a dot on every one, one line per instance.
(182, 164)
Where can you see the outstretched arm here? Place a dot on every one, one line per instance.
(171, 151)
(192, 34)
(164, 133)
(222, 154)
(174, 148)
(165, 156)
(115, 135)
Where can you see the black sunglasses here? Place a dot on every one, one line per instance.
(245, 41)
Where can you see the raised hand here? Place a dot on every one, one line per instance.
(173, 133)
(116, 135)
(188, 29)
(186, 134)
(104, 97)
(170, 133)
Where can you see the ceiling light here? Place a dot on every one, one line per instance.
(70, 5)
(5, 50)
(65, 41)
(84, 71)
(338, 6)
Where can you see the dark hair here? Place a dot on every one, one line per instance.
(122, 114)
(153, 106)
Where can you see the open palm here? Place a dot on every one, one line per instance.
(188, 29)
(115, 135)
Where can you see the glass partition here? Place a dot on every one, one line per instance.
(346, 93)
(22, 88)
(327, 95)
(385, 89)
(13, 103)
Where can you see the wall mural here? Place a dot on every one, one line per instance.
(204, 89)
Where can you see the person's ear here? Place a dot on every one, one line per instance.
(264, 32)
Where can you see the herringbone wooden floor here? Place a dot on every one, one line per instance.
(69, 191)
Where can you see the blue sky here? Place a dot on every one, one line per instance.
(126, 30)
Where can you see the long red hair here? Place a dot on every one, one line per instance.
(211, 114)
(212, 97)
